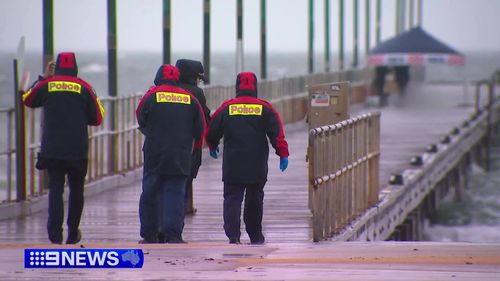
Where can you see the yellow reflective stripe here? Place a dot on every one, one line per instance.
(26, 95)
(101, 108)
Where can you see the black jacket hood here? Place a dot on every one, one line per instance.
(246, 84)
(66, 65)
(190, 70)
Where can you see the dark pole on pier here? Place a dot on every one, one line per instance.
(378, 22)
(341, 34)
(263, 50)
(239, 36)
(367, 26)
(112, 54)
(206, 38)
(402, 23)
(310, 45)
(112, 82)
(48, 31)
(20, 139)
(327, 35)
(48, 55)
(166, 31)
(398, 16)
(419, 12)
(356, 34)
(411, 14)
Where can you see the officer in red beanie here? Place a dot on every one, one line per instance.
(246, 123)
(69, 105)
(173, 124)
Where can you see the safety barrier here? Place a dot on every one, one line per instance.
(343, 172)
(7, 154)
(115, 147)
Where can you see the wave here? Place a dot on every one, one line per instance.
(94, 68)
(476, 218)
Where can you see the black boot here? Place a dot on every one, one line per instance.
(74, 238)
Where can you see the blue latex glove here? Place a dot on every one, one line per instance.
(283, 163)
(214, 153)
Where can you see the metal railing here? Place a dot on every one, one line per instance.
(117, 148)
(127, 140)
(7, 151)
(343, 172)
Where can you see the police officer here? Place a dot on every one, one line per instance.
(172, 121)
(191, 72)
(69, 105)
(246, 123)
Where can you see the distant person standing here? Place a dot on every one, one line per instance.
(402, 77)
(379, 83)
(191, 72)
(69, 105)
(246, 123)
(173, 124)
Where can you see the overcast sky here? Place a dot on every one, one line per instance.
(80, 25)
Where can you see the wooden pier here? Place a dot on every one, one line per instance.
(110, 219)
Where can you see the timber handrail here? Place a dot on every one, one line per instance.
(343, 172)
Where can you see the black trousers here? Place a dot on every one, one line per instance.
(76, 170)
(253, 209)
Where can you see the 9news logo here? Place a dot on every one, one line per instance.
(83, 258)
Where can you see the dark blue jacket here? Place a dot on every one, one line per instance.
(246, 123)
(173, 124)
(69, 106)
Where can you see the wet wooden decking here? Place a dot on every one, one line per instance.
(298, 261)
(111, 217)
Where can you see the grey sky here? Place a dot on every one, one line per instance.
(81, 24)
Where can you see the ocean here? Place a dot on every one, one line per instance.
(136, 70)
(475, 219)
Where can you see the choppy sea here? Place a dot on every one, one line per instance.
(474, 219)
(136, 70)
